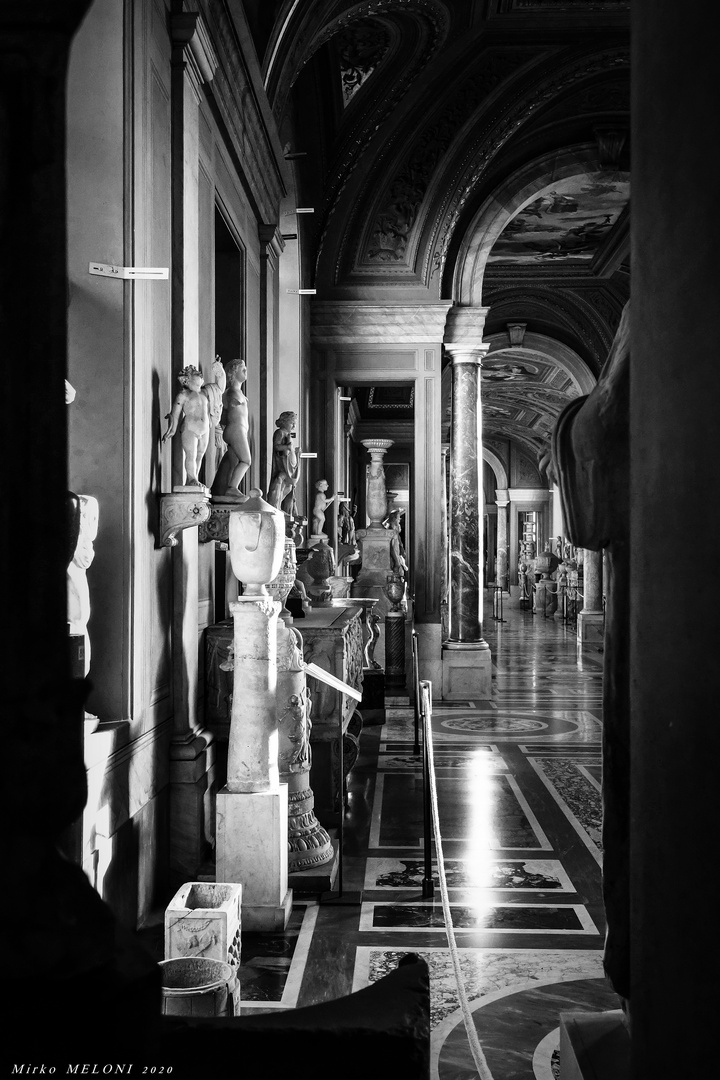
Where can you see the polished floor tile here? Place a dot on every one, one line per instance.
(518, 782)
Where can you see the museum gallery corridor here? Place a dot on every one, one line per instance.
(519, 797)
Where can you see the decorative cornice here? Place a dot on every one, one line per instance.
(337, 322)
(242, 106)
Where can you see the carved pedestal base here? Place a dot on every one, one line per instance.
(252, 850)
(308, 843)
(467, 672)
(183, 509)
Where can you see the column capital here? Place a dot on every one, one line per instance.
(466, 353)
(271, 240)
(464, 328)
(502, 496)
(189, 34)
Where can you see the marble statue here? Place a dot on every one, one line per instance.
(285, 468)
(397, 550)
(322, 501)
(589, 459)
(84, 512)
(373, 625)
(346, 525)
(190, 411)
(214, 393)
(237, 460)
(320, 566)
(348, 550)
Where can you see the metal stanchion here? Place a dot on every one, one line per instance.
(498, 603)
(416, 690)
(428, 886)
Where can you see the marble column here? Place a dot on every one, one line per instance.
(591, 618)
(502, 502)
(674, 499)
(444, 538)
(466, 655)
(375, 540)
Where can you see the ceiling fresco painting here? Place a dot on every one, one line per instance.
(569, 220)
(475, 153)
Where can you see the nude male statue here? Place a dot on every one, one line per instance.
(236, 460)
(192, 405)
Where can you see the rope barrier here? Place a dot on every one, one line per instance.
(475, 1047)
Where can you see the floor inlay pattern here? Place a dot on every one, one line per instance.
(518, 780)
(577, 791)
(483, 916)
(519, 875)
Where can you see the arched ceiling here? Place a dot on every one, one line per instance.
(468, 150)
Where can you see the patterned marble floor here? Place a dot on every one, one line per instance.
(518, 781)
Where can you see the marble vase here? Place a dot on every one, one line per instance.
(376, 502)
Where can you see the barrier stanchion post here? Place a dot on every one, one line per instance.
(427, 882)
(416, 691)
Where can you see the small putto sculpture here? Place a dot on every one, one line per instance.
(322, 501)
(190, 411)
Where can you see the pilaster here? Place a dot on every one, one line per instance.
(192, 753)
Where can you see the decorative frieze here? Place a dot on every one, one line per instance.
(336, 322)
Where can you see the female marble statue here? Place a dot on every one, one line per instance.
(236, 460)
(84, 511)
(285, 468)
(214, 393)
(590, 461)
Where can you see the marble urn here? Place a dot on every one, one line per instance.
(256, 535)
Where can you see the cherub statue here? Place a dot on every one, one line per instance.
(285, 465)
(193, 407)
(236, 460)
(322, 501)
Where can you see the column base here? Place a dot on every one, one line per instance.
(466, 671)
(594, 1046)
(267, 918)
(252, 850)
(590, 628)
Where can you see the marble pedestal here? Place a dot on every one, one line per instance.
(372, 705)
(590, 628)
(376, 565)
(245, 820)
(545, 602)
(594, 1046)
(466, 672)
